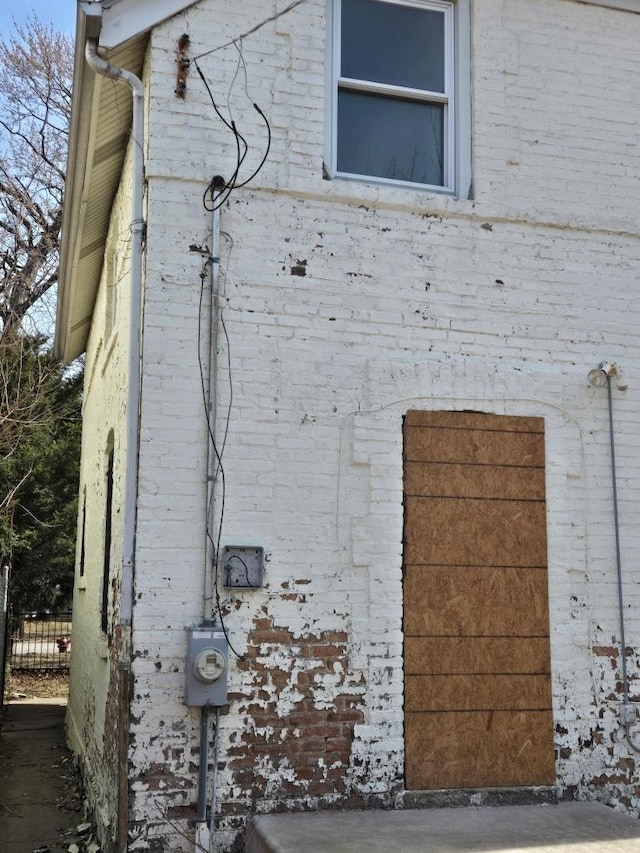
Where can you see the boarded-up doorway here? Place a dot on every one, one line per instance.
(477, 665)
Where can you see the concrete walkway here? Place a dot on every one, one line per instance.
(564, 828)
(39, 806)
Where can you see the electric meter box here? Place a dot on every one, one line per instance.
(207, 666)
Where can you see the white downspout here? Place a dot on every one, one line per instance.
(101, 66)
(104, 68)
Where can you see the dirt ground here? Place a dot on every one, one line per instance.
(33, 754)
(37, 685)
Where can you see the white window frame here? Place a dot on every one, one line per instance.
(456, 97)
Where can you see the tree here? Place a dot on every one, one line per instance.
(39, 476)
(23, 381)
(36, 66)
(39, 401)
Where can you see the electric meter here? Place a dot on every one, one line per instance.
(207, 664)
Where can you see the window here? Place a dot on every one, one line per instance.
(398, 93)
(106, 571)
(83, 531)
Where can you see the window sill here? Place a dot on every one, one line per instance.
(345, 191)
(390, 183)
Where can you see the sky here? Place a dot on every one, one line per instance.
(61, 13)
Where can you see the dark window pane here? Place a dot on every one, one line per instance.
(390, 43)
(106, 572)
(390, 138)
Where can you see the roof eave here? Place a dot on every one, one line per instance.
(113, 28)
(88, 22)
(127, 19)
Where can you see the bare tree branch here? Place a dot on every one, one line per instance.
(35, 104)
(36, 64)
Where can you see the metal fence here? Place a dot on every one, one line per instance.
(39, 641)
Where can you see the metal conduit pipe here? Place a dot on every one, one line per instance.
(103, 67)
(599, 376)
(204, 824)
(214, 786)
(203, 774)
(627, 715)
(212, 459)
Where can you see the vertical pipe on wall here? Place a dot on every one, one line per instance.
(203, 774)
(212, 458)
(202, 837)
(214, 786)
(101, 66)
(204, 833)
(627, 722)
(104, 68)
(616, 525)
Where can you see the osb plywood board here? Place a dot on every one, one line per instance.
(452, 655)
(477, 682)
(473, 532)
(473, 481)
(477, 692)
(479, 749)
(474, 446)
(474, 420)
(470, 601)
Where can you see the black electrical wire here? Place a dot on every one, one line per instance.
(224, 193)
(214, 197)
(266, 153)
(213, 202)
(210, 93)
(215, 545)
(246, 567)
(229, 407)
(225, 189)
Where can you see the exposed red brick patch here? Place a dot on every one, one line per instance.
(300, 711)
(606, 651)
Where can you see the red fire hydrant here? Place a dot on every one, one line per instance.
(63, 643)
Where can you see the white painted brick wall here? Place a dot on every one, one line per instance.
(410, 300)
(90, 719)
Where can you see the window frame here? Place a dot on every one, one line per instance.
(107, 540)
(457, 120)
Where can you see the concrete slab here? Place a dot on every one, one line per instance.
(38, 804)
(563, 828)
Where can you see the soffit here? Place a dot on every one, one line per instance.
(99, 133)
(100, 125)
